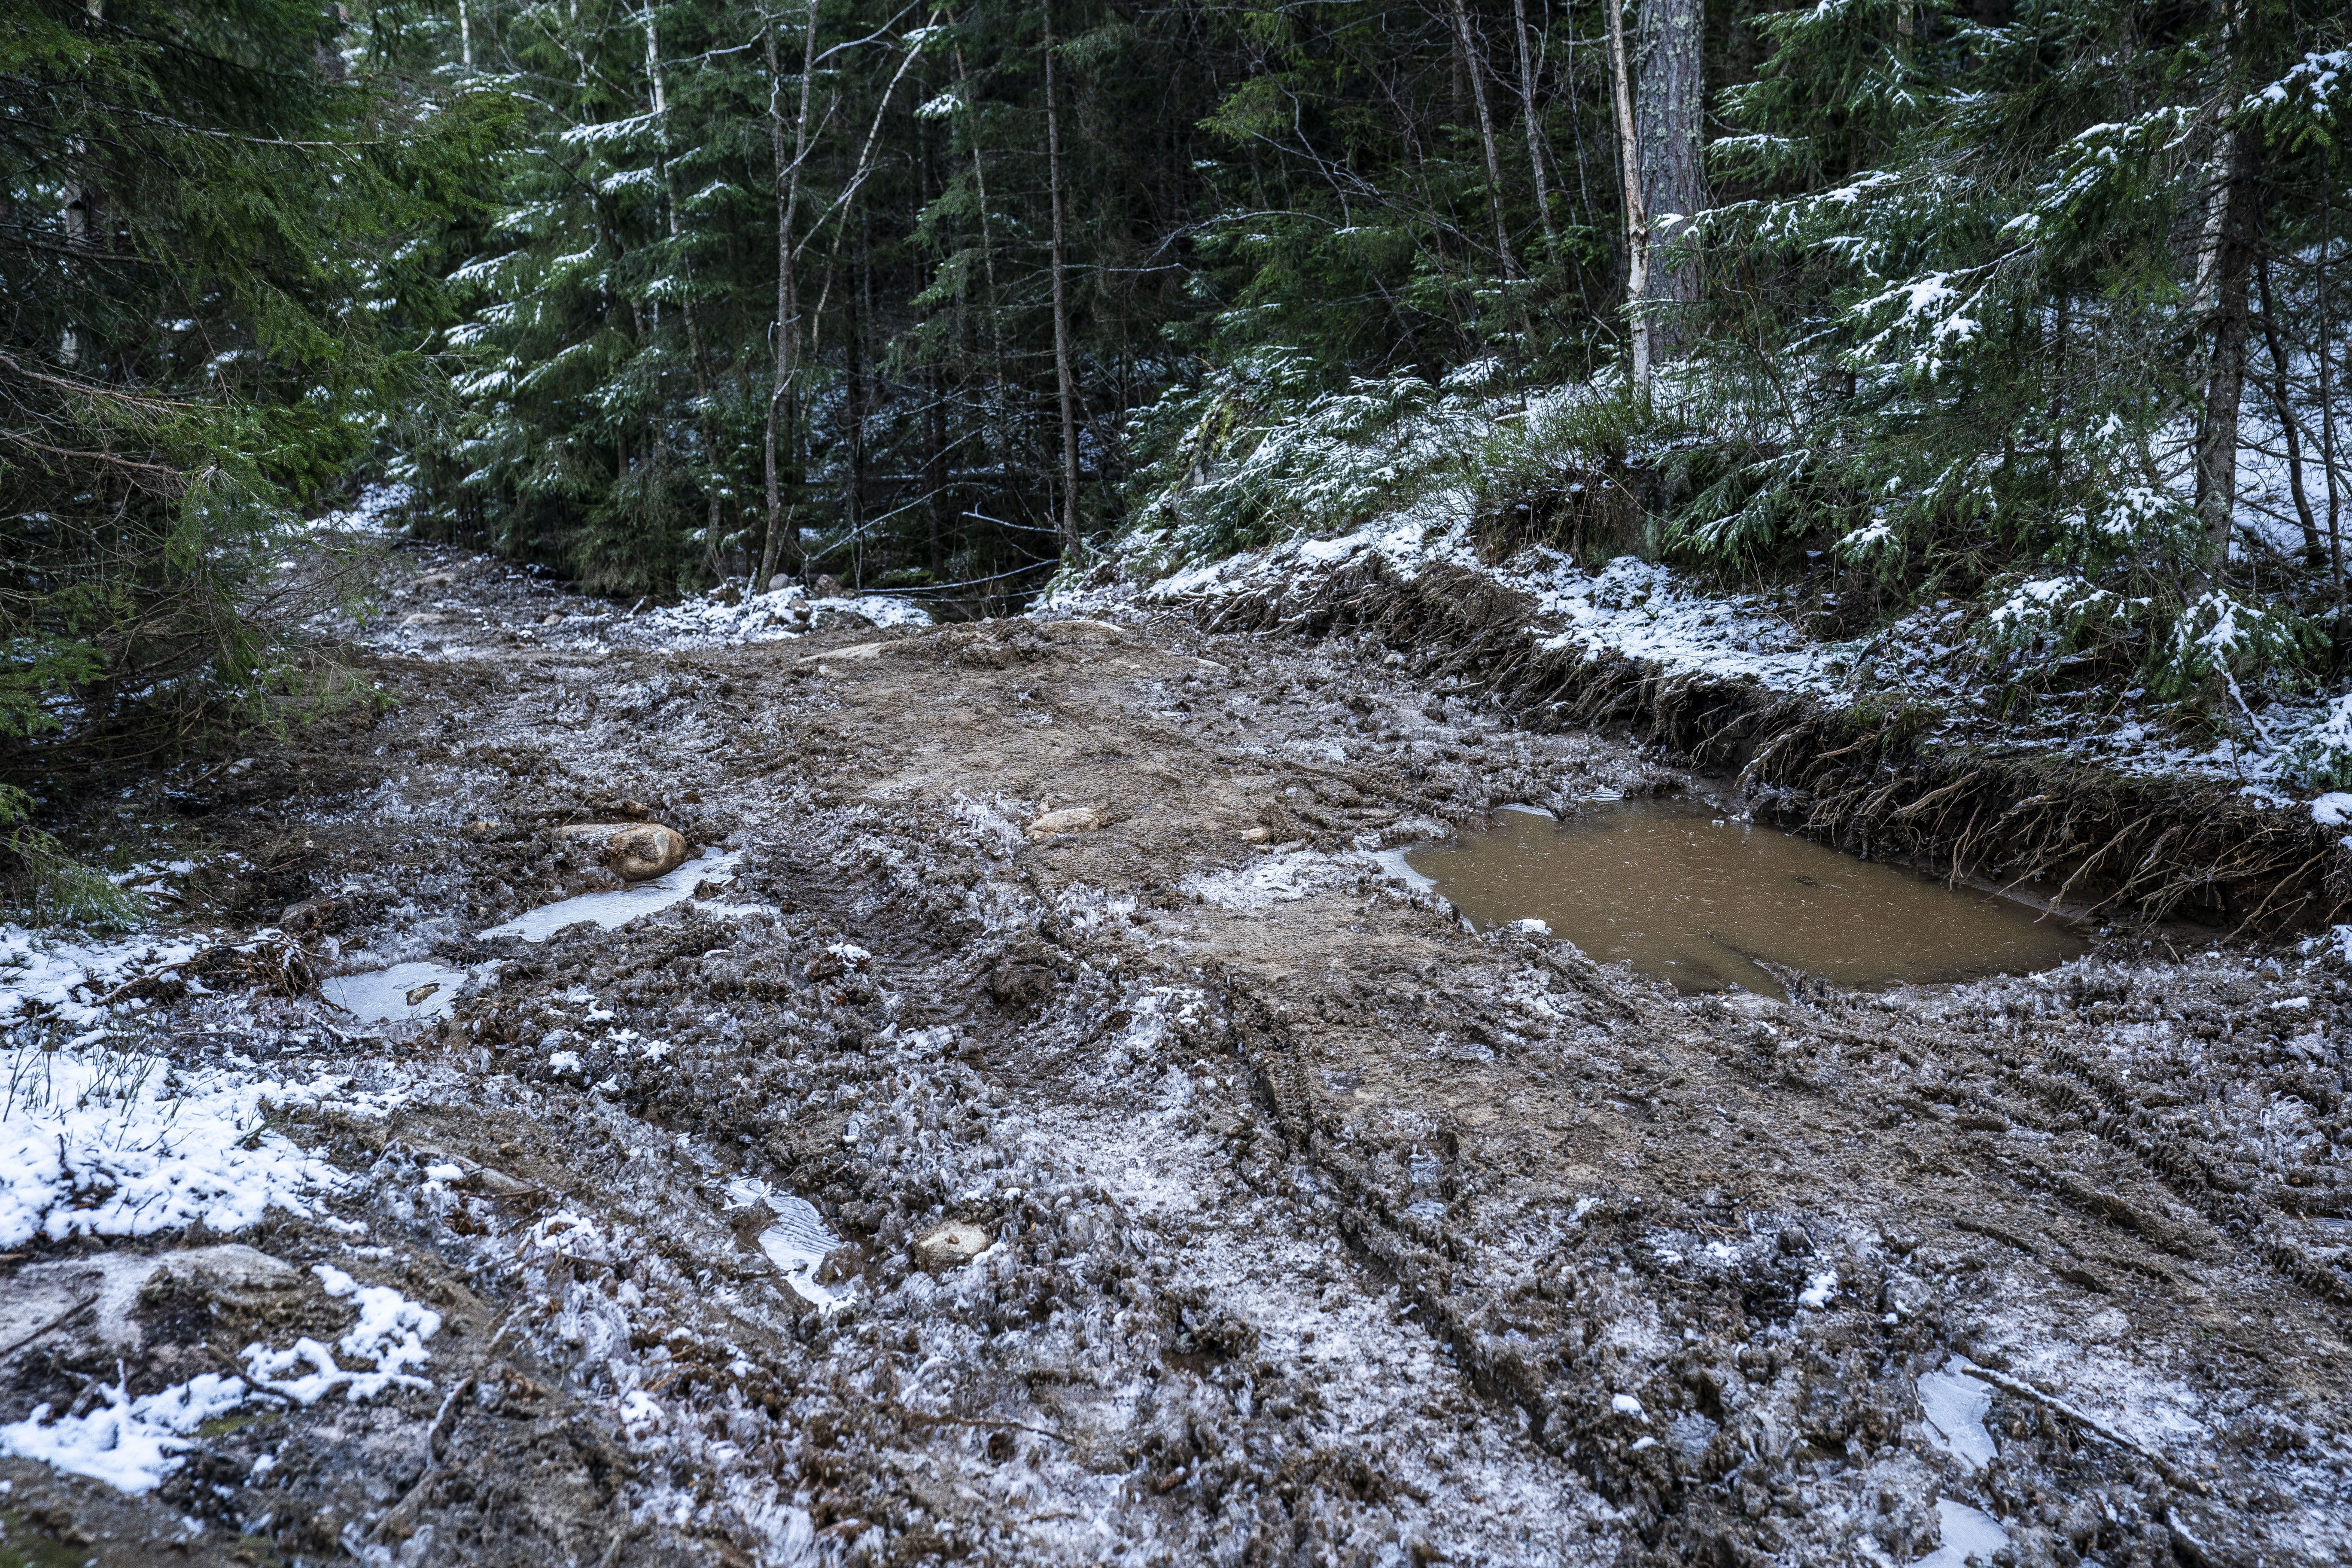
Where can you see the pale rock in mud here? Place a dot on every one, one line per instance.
(949, 1246)
(633, 851)
(1067, 819)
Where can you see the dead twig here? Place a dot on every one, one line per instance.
(2088, 1423)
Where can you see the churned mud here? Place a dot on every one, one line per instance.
(1044, 1120)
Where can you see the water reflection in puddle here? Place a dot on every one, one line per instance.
(1684, 896)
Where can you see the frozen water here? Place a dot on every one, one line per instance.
(1968, 1532)
(382, 995)
(1955, 1405)
(620, 907)
(1392, 865)
(796, 1244)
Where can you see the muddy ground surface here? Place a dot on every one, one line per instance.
(1311, 1226)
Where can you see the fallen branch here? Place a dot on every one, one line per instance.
(2090, 1424)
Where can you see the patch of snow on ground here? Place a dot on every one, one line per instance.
(1653, 612)
(96, 1142)
(129, 1443)
(779, 617)
(45, 977)
(390, 1336)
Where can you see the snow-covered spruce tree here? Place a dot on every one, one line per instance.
(1980, 315)
(207, 298)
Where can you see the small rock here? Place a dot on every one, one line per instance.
(633, 851)
(550, 619)
(949, 1246)
(1255, 835)
(779, 583)
(826, 587)
(1068, 819)
(307, 917)
(493, 1183)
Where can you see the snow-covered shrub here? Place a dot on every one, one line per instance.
(2320, 753)
(1259, 450)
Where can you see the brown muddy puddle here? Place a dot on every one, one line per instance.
(1683, 895)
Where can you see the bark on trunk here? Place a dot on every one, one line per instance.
(1073, 535)
(1672, 97)
(2283, 404)
(1535, 132)
(855, 415)
(712, 561)
(1475, 63)
(2231, 265)
(782, 409)
(1637, 222)
(2326, 390)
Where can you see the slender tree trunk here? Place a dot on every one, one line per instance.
(1475, 63)
(1673, 93)
(1073, 533)
(781, 404)
(854, 414)
(1002, 412)
(1637, 222)
(466, 35)
(2327, 395)
(2231, 263)
(2283, 403)
(936, 479)
(1535, 132)
(705, 423)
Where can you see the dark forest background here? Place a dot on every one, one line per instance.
(2032, 305)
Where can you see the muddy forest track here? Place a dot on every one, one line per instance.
(1315, 1227)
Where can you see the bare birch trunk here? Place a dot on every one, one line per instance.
(1637, 221)
(711, 558)
(1073, 535)
(2327, 392)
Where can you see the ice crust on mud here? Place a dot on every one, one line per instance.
(1318, 1229)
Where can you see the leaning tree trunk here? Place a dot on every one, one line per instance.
(1535, 131)
(1671, 97)
(1474, 62)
